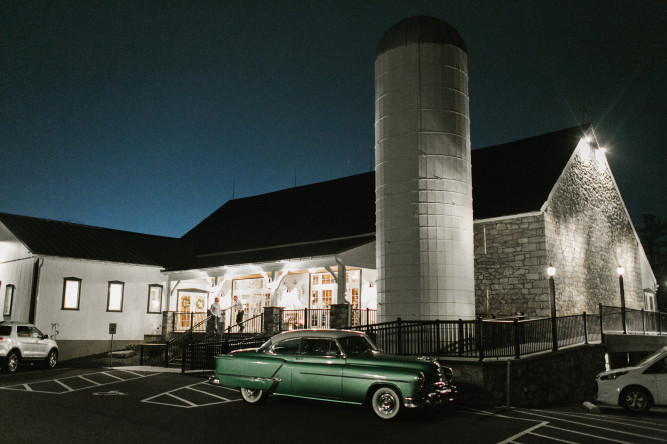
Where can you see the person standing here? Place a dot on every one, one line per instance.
(238, 306)
(215, 314)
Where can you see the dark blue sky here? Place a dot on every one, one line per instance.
(147, 116)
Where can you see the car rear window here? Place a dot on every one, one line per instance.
(5, 330)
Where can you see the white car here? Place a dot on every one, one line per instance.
(635, 388)
(23, 343)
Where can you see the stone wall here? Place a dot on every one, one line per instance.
(585, 232)
(510, 263)
(589, 234)
(558, 378)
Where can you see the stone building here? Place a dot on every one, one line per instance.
(552, 200)
(546, 200)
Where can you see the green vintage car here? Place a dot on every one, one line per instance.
(335, 365)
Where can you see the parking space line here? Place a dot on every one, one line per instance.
(90, 380)
(28, 388)
(113, 376)
(130, 372)
(525, 432)
(207, 393)
(589, 434)
(628, 422)
(551, 438)
(70, 389)
(185, 401)
(583, 424)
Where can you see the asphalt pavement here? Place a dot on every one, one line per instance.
(152, 404)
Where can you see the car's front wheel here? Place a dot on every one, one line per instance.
(253, 396)
(51, 359)
(635, 399)
(12, 362)
(386, 402)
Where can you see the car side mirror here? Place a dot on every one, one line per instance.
(45, 336)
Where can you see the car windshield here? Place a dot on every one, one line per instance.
(356, 344)
(649, 358)
(5, 330)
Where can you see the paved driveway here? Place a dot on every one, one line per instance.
(147, 405)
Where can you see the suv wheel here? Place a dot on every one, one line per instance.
(12, 361)
(636, 400)
(52, 359)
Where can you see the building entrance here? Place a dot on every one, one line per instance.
(253, 294)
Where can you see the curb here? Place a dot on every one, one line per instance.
(592, 408)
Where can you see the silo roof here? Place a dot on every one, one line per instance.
(420, 29)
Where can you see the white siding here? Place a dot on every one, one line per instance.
(91, 321)
(16, 264)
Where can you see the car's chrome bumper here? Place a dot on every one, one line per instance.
(438, 393)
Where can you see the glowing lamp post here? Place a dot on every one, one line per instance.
(551, 271)
(620, 272)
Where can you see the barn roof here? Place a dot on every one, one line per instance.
(332, 216)
(307, 221)
(64, 239)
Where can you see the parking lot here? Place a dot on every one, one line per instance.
(146, 405)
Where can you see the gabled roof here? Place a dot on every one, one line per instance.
(329, 217)
(339, 212)
(45, 237)
(517, 177)
(315, 220)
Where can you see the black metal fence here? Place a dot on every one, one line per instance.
(483, 338)
(490, 338)
(632, 321)
(163, 353)
(201, 356)
(253, 325)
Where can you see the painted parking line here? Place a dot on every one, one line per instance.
(201, 394)
(528, 431)
(59, 386)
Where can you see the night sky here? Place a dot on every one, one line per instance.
(148, 116)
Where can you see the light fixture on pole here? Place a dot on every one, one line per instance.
(620, 272)
(551, 271)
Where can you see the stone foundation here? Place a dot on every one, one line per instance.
(562, 377)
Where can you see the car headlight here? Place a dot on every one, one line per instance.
(611, 376)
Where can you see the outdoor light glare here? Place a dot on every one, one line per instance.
(603, 149)
(551, 270)
(620, 270)
(588, 139)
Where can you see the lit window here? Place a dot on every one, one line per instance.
(9, 299)
(154, 298)
(71, 293)
(115, 297)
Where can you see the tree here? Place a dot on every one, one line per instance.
(653, 235)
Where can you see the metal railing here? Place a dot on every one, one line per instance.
(254, 325)
(640, 322)
(164, 353)
(363, 317)
(183, 321)
(305, 318)
(201, 356)
(482, 338)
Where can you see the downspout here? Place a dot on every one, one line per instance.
(34, 291)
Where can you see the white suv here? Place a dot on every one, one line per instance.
(22, 343)
(635, 388)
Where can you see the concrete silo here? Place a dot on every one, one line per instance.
(423, 180)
